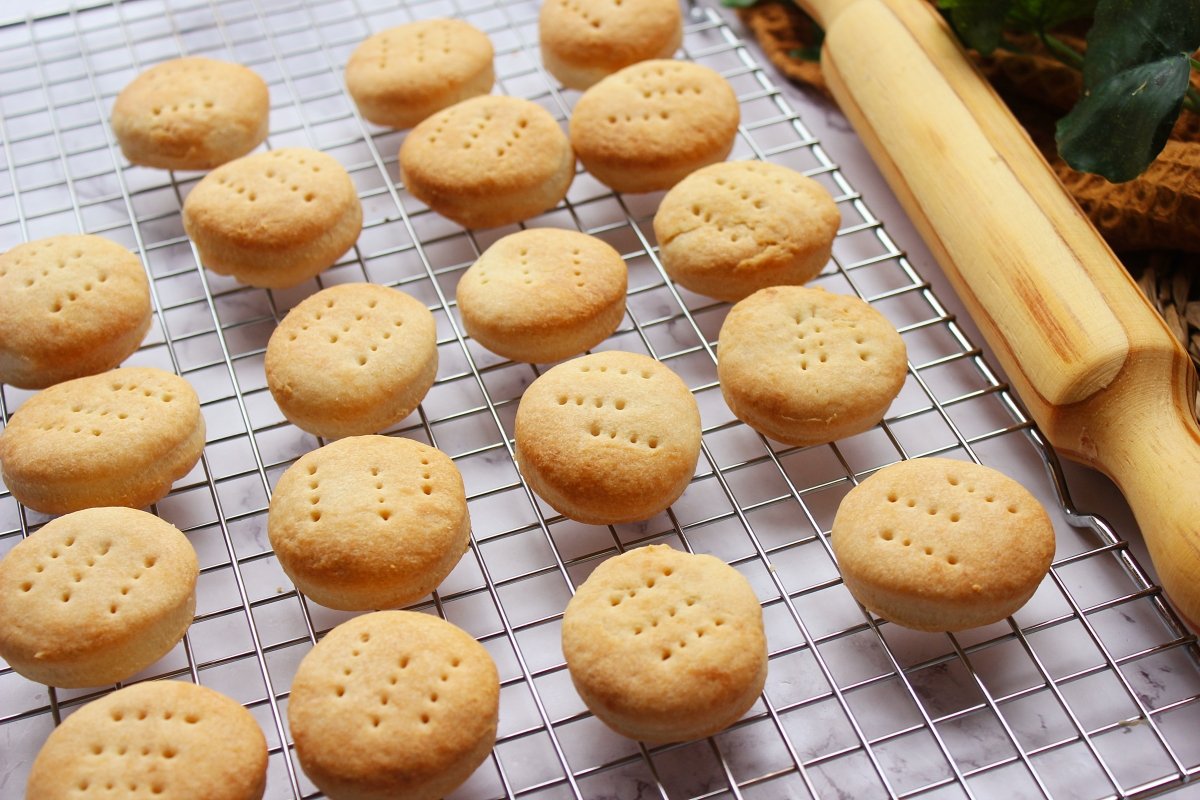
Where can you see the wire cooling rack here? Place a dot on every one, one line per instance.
(1091, 691)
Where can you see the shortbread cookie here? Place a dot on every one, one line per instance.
(191, 113)
(805, 366)
(543, 294)
(394, 704)
(274, 219)
(650, 125)
(665, 646)
(162, 739)
(609, 437)
(400, 76)
(369, 522)
(95, 596)
(488, 161)
(69, 306)
(941, 545)
(583, 41)
(352, 359)
(733, 228)
(120, 438)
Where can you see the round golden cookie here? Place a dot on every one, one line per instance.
(583, 41)
(394, 704)
(609, 437)
(488, 161)
(805, 366)
(400, 76)
(369, 522)
(730, 229)
(352, 359)
(161, 739)
(95, 596)
(191, 113)
(649, 125)
(543, 294)
(120, 438)
(941, 545)
(664, 646)
(274, 219)
(69, 306)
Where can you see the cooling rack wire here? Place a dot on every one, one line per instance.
(1091, 691)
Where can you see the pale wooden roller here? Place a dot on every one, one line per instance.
(1096, 366)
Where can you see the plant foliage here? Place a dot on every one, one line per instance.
(1136, 71)
(1136, 74)
(979, 23)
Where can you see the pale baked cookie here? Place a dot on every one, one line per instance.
(543, 294)
(941, 545)
(191, 113)
(649, 125)
(69, 306)
(609, 437)
(394, 704)
(352, 359)
(95, 596)
(806, 366)
(730, 229)
(274, 219)
(583, 41)
(162, 739)
(665, 646)
(488, 161)
(120, 438)
(369, 522)
(400, 76)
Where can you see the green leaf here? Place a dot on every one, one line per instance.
(979, 23)
(1131, 32)
(1041, 16)
(812, 50)
(1135, 76)
(807, 53)
(1123, 123)
(738, 3)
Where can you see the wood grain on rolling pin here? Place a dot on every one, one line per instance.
(1097, 368)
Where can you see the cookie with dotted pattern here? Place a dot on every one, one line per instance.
(400, 76)
(162, 739)
(609, 437)
(543, 294)
(806, 366)
(649, 125)
(937, 544)
(394, 704)
(488, 161)
(583, 41)
(665, 646)
(352, 359)
(120, 438)
(369, 522)
(274, 219)
(730, 229)
(69, 306)
(191, 113)
(95, 596)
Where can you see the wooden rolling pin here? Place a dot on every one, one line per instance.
(1098, 369)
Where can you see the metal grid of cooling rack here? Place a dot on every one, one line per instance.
(1092, 690)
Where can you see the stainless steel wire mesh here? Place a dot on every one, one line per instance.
(1091, 691)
